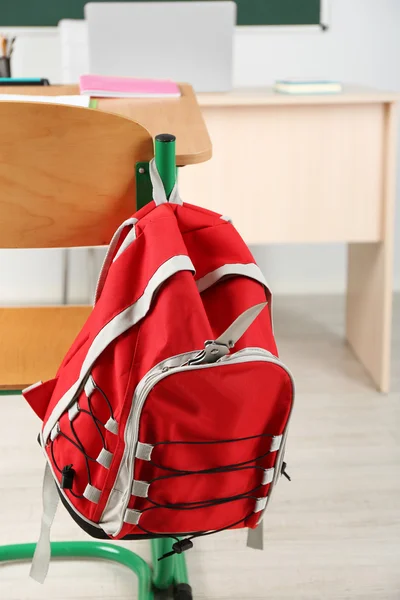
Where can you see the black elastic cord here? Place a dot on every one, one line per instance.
(228, 441)
(185, 544)
(77, 444)
(87, 458)
(105, 398)
(54, 458)
(222, 469)
(213, 470)
(87, 412)
(156, 535)
(196, 535)
(227, 469)
(212, 502)
(91, 413)
(204, 503)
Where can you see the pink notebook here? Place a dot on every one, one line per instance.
(127, 87)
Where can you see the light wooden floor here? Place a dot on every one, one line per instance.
(333, 533)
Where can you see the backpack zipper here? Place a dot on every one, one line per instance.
(157, 374)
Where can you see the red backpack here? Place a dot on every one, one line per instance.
(169, 413)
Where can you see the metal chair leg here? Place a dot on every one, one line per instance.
(135, 563)
(163, 570)
(170, 571)
(182, 589)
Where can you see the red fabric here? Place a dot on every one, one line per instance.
(204, 405)
(39, 397)
(207, 405)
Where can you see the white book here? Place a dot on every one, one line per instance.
(307, 86)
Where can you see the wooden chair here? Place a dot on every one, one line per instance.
(68, 179)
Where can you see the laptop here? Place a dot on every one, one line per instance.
(183, 41)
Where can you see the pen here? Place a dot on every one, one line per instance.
(11, 48)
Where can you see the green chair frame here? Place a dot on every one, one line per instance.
(171, 571)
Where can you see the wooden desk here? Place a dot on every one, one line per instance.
(311, 169)
(179, 116)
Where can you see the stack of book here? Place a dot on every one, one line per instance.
(127, 87)
(307, 86)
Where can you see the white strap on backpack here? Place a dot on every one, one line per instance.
(41, 557)
(159, 197)
(240, 325)
(110, 255)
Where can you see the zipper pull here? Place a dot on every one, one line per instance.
(283, 471)
(212, 352)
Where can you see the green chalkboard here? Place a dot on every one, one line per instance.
(250, 12)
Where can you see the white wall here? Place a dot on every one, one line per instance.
(361, 46)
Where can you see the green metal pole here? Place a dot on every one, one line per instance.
(164, 150)
(163, 570)
(181, 572)
(102, 550)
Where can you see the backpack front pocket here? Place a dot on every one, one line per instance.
(201, 438)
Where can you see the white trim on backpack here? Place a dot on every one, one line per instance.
(143, 451)
(118, 325)
(268, 476)
(261, 503)
(50, 500)
(31, 387)
(90, 386)
(234, 332)
(73, 412)
(105, 458)
(140, 489)
(130, 238)
(112, 426)
(159, 195)
(132, 516)
(131, 222)
(276, 443)
(250, 270)
(92, 493)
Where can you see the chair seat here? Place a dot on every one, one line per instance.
(33, 342)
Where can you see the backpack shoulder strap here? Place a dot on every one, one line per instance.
(159, 195)
(126, 232)
(127, 228)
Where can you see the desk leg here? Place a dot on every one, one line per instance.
(369, 308)
(370, 276)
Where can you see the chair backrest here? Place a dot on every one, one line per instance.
(67, 178)
(67, 174)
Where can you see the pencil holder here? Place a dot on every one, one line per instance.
(5, 66)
